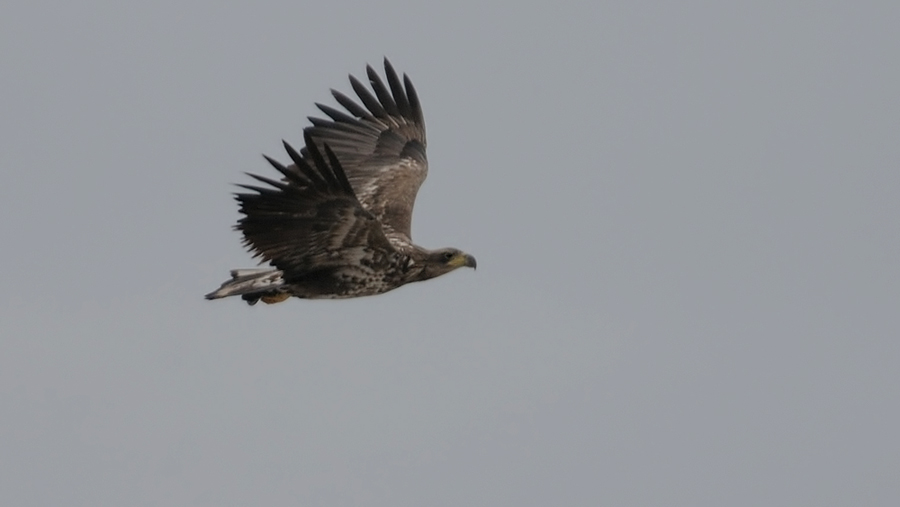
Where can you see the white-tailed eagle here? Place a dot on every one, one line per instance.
(337, 222)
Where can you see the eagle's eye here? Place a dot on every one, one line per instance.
(447, 256)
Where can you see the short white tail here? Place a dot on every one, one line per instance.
(249, 281)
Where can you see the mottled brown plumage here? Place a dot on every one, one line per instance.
(337, 224)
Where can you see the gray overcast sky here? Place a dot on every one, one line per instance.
(685, 217)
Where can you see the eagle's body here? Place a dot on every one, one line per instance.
(338, 224)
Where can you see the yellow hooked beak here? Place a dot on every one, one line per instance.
(462, 260)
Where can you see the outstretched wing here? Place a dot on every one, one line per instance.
(381, 146)
(311, 222)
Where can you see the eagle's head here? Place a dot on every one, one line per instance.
(441, 261)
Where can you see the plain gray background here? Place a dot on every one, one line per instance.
(685, 217)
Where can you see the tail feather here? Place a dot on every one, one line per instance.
(251, 284)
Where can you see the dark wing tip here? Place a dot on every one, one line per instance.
(413, 100)
(351, 105)
(397, 90)
(300, 162)
(372, 104)
(328, 171)
(381, 91)
(339, 173)
(313, 176)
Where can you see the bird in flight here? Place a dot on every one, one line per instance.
(336, 224)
